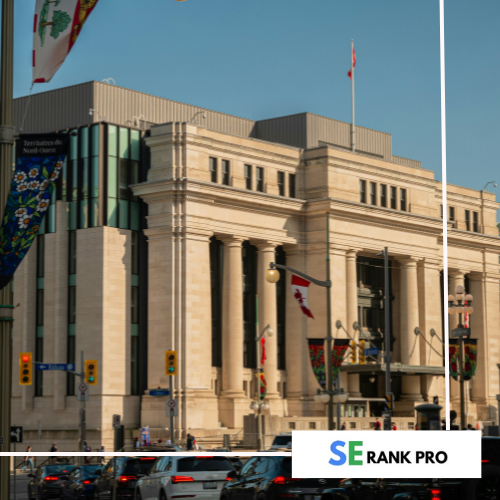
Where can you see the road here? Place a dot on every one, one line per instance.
(21, 487)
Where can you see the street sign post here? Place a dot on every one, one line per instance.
(67, 367)
(460, 332)
(16, 434)
(159, 392)
(82, 392)
(373, 351)
(117, 421)
(172, 408)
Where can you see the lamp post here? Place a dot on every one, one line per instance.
(260, 404)
(337, 396)
(456, 305)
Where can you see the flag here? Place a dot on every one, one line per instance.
(339, 348)
(263, 385)
(317, 357)
(470, 358)
(263, 350)
(56, 27)
(454, 354)
(299, 290)
(466, 315)
(353, 63)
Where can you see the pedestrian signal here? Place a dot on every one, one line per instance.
(170, 363)
(354, 353)
(389, 401)
(362, 359)
(25, 368)
(91, 371)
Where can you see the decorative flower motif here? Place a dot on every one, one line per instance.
(44, 184)
(34, 184)
(21, 187)
(19, 177)
(24, 222)
(21, 212)
(33, 172)
(42, 206)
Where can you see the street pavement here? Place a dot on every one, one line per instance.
(22, 481)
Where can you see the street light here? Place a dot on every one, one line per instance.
(458, 304)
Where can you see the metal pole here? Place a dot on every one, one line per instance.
(498, 400)
(259, 416)
(83, 423)
(114, 476)
(353, 128)
(338, 403)
(6, 317)
(387, 306)
(172, 430)
(14, 462)
(329, 328)
(462, 385)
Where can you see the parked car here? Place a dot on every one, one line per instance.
(270, 478)
(128, 471)
(282, 441)
(79, 483)
(46, 481)
(193, 476)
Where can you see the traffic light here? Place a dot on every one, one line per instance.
(91, 371)
(362, 360)
(170, 362)
(389, 401)
(354, 354)
(25, 368)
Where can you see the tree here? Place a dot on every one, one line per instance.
(60, 22)
(44, 17)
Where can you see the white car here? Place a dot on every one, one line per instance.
(198, 478)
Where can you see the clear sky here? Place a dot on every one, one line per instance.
(264, 58)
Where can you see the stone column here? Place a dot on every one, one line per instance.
(456, 278)
(267, 315)
(351, 291)
(410, 350)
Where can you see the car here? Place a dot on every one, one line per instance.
(128, 471)
(46, 481)
(282, 441)
(79, 483)
(200, 477)
(270, 478)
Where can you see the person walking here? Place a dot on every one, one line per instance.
(378, 425)
(28, 460)
(344, 427)
(189, 443)
(54, 449)
(102, 450)
(169, 441)
(86, 447)
(394, 427)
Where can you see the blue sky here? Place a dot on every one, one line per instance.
(265, 58)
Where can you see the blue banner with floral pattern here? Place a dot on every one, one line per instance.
(39, 162)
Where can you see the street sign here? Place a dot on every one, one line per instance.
(370, 352)
(145, 434)
(55, 366)
(82, 392)
(117, 421)
(172, 408)
(16, 434)
(460, 332)
(389, 401)
(159, 392)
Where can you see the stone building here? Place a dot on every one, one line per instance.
(159, 235)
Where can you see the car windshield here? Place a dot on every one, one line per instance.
(136, 466)
(59, 469)
(286, 465)
(90, 469)
(282, 440)
(201, 464)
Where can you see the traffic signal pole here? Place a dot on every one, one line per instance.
(82, 413)
(6, 316)
(172, 430)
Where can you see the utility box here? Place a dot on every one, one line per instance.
(428, 417)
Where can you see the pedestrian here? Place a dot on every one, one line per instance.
(53, 449)
(28, 460)
(86, 447)
(169, 441)
(136, 442)
(189, 443)
(378, 425)
(344, 427)
(159, 441)
(394, 427)
(195, 445)
(469, 427)
(102, 450)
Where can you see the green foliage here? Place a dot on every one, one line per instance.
(61, 21)
(44, 17)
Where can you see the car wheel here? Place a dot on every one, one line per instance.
(262, 496)
(486, 488)
(138, 494)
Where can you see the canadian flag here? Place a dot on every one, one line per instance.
(299, 290)
(353, 63)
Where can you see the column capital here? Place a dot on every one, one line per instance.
(476, 276)
(457, 273)
(408, 261)
(231, 240)
(265, 245)
(352, 253)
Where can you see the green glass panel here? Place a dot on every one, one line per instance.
(124, 214)
(39, 332)
(135, 145)
(94, 212)
(134, 177)
(135, 280)
(124, 171)
(112, 140)
(84, 186)
(72, 330)
(84, 207)
(84, 142)
(112, 177)
(72, 280)
(112, 209)
(95, 140)
(51, 218)
(41, 230)
(94, 183)
(134, 216)
(124, 143)
(73, 146)
(40, 283)
(74, 180)
(72, 215)
(134, 330)
(64, 180)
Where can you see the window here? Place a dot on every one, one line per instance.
(475, 222)
(383, 195)
(135, 252)
(281, 183)
(467, 220)
(291, 185)
(451, 214)
(362, 191)
(213, 169)
(134, 302)
(393, 197)
(216, 278)
(248, 176)
(259, 175)
(373, 193)
(291, 425)
(312, 425)
(441, 211)
(280, 258)
(402, 197)
(225, 172)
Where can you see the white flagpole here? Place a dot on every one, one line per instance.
(353, 128)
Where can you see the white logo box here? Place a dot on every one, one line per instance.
(386, 454)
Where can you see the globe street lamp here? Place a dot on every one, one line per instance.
(337, 396)
(458, 304)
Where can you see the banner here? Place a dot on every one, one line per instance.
(339, 348)
(470, 359)
(317, 357)
(262, 384)
(454, 352)
(56, 27)
(300, 287)
(39, 162)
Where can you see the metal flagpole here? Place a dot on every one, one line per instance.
(353, 127)
(329, 338)
(259, 402)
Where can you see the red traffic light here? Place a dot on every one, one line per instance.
(25, 359)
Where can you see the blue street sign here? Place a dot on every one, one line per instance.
(145, 434)
(370, 352)
(55, 366)
(159, 392)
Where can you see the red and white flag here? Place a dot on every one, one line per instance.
(263, 350)
(300, 287)
(466, 315)
(56, 27)
(353, 63)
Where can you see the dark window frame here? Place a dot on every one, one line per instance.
(225, 172)
(212, 167)
(403, 200)
(467, 220)
(248, 175)
(383, 195)
(259, 179)
(281, 183)
(362, 191)
(373, 193)
(393, 197)
(292, 186)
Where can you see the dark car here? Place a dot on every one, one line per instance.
(79, 483)
(270, 478)
(46, 481)
(128, 471)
